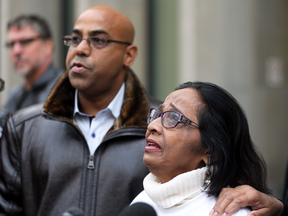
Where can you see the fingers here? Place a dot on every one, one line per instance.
(229, 206)
(232, 199)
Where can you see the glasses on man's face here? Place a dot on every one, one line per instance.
(93, 41)
(23, 42)
(169, 119)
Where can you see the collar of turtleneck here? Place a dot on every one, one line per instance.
(177, 191)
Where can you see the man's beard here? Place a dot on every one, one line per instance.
(22, 71)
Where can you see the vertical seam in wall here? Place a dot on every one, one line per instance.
(187, 41)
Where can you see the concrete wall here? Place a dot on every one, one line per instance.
(233, 51)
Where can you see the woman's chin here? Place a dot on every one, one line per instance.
(149, 160)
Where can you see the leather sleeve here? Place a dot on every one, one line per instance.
(10, 171)
(285, 208)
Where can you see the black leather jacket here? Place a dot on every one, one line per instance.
(45, 163)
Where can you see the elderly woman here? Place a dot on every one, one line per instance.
(198, 142)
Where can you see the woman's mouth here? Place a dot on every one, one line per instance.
(152, 146)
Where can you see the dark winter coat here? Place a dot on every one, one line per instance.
(45, 163)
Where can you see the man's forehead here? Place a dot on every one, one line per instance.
(94, 20)
(95, 25)
(91, 32)
(111, 21)
(90, 28)
(23, 31)
(94, 16)
(27, 28)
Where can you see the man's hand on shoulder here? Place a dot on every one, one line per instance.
(231, 199)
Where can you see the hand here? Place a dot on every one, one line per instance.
(231, 199)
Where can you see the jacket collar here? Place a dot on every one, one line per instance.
(60, 102)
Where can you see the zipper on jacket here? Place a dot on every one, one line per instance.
(91, 162)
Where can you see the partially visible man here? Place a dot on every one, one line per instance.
(31, 52)
(85, 149)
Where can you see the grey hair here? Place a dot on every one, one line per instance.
(37, 23)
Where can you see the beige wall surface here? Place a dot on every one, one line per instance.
(233, 52)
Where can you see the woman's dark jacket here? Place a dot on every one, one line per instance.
(45, 166)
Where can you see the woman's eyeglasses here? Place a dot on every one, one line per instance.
(169, 119)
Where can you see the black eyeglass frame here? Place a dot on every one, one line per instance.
(90, 41)
(182, 118)
(23, 42)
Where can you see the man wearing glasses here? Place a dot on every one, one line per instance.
(84, 147)
(30, 47)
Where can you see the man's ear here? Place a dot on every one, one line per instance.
(130, 55)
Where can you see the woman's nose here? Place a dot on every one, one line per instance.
(155, 126)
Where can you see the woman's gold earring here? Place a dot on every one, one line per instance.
(208, 175)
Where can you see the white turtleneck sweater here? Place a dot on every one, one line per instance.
(180, 196)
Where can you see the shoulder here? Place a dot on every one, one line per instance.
(200, 205)
(143, 197)
(15, 90)
(27, 113)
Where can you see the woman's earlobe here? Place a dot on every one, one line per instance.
(207, 158)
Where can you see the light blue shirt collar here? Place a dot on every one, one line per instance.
(114, 106)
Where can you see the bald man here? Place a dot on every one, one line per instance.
(84, 146)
